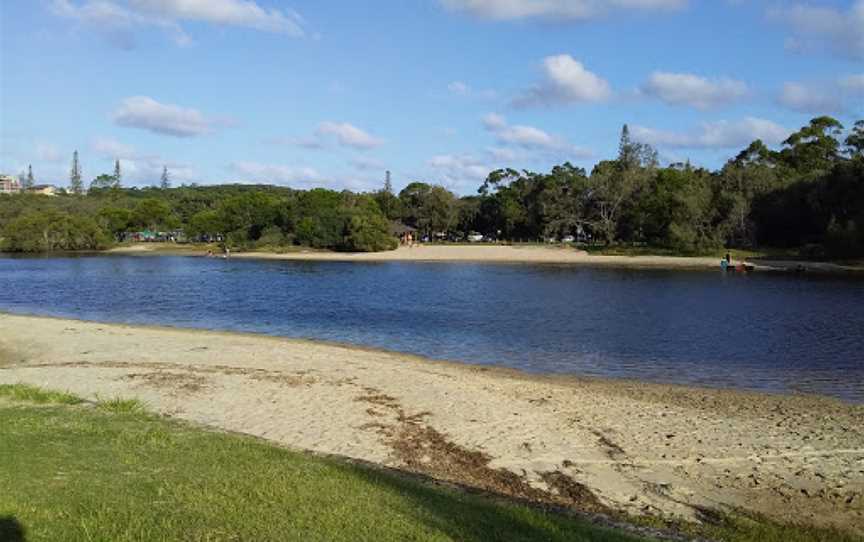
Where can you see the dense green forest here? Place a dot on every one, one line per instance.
(808, 195)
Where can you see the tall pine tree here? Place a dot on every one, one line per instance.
(166, 180)
(28, 180)
(75, 185)
(627, 152)
(117, 175)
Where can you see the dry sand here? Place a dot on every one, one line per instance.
(454, 253)
(590, 444)
(498, 254)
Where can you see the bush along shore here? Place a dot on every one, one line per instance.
(806, 197)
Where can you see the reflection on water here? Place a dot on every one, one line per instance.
(766, 332)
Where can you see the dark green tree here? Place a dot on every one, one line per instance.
(76, 186)
(118, 176)
(855, 141)
(813, 149)
(102, 182)
(387, 200)
(29, 181)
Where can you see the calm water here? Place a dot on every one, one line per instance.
(767, 332)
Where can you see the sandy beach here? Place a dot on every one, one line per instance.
(527, 254)
(596, 445)
(492, 253)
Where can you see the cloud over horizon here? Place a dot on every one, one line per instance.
(118, 21)
(693, 90)
(140, 168)
(145, 113)
(715, 135)
(530, 137)
(348, 135)
(839, 96)
(566, 81)
(568, 10)
(818, 26)
(274, 173)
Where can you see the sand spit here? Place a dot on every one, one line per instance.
(593, 445)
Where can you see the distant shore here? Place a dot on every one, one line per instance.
(633, 447)
(503, 254)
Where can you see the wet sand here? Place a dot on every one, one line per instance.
(598, 445)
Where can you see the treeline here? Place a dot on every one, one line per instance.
(809, 194)
(240, 216)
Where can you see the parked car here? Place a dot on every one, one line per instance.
(568, 239)
(474, 237)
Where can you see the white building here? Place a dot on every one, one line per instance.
(44, 189)
(9, 184)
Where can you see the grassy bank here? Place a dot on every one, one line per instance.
(75, 470)
(111, 471)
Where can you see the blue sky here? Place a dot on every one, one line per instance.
(327, 93)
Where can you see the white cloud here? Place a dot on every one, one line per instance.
(140, 168)
(348, 135)
(823, 97)
(460, 88)
(503, 10)
(147, 114)
(530, 137)
(277, 174)
(693, 90)
(341, 133)
(715, 135)
(119, 21)
(114, 21)
(243, 13)
(567, 81)
(809, 99)
(841, 31)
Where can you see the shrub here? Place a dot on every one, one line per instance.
(367, 232)
(51, 231)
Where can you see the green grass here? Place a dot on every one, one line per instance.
(115, 473)
(111, 471)
(743, 528)
(119, 405)
(34, 394)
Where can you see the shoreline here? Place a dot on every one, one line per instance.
(644, 387)
(508, 254)
(638, 448)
